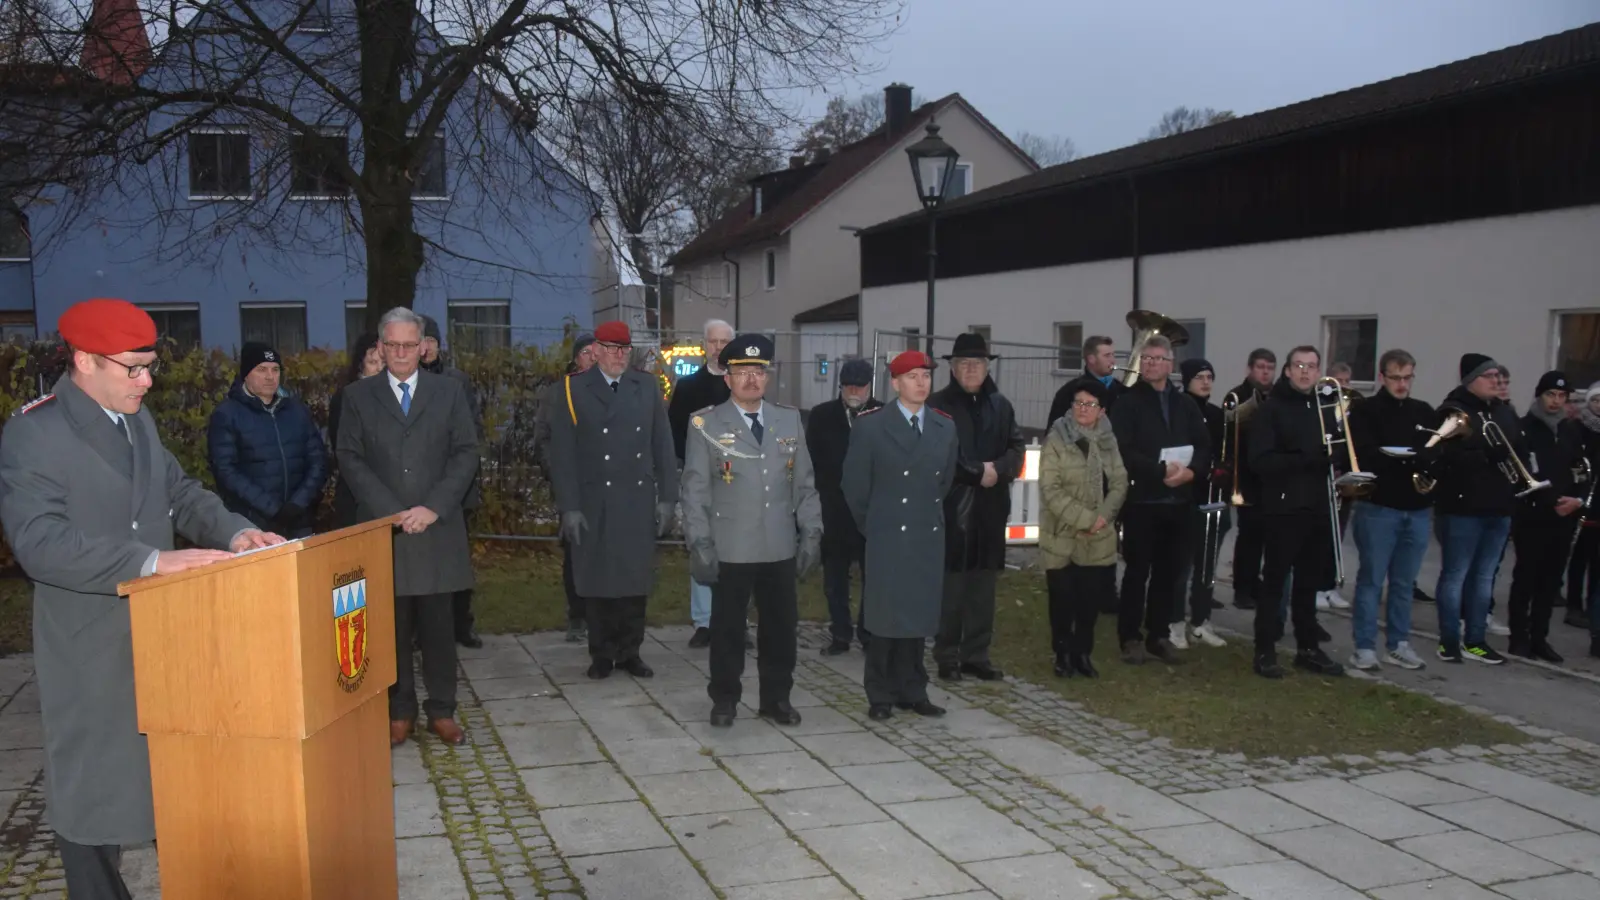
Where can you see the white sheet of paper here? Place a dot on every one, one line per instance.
(259, 549)
(1180, 455)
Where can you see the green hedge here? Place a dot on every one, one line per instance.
(516, 499)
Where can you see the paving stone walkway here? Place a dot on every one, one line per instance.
(620, 789)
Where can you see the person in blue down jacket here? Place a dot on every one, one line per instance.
(266, 453)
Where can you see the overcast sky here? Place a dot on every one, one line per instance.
(1103, 72)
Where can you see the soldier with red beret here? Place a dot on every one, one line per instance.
(900, 465)
(89, 499)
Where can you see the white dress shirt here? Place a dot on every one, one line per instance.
(394, 385)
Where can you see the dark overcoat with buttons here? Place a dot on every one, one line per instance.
(895, 483)
(429, 457)
(83, 515)
(612, 458)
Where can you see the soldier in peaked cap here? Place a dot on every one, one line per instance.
(89, 499)
(900, 465)
(753, 525)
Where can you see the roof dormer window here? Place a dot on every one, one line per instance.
(758, 200)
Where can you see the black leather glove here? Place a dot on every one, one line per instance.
(573, 525)
(666, 513)
(289, 515)
(703, 563)
(805, 562)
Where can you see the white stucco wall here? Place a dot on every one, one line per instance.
(1493, 286)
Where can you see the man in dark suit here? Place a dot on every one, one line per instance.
(614, 476)
(828, 435)
(409, 447)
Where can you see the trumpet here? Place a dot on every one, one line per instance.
(1455, 424)
(1512, 467)
(1352, 482)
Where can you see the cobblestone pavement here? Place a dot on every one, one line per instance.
(620, 789)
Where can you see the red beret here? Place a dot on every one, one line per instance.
(905, 362)
(613, 333)
(107, 327)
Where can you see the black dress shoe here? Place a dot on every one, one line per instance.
(701, 639)
(925, 708)
(781, 713)
(1063, 668)
(469, 638)
(836, 648)
(1594, 647)
(1420, 595)
(1520, 647)
(879, 712)
(949, 673)
(1082, 665)
(1267, 667)
(722, 714)
(982, 671)
(600, 668)
(1323, 636)
(1243, 602)
(637, 668)
(1317, 662)
(1543, 651)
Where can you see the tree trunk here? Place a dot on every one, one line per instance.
(643, 262)
(393, 248)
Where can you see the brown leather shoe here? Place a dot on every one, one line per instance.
(399, 730)
(447, 730)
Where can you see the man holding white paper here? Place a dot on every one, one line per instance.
(1164, 445)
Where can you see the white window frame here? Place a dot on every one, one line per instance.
(305, 314)
(223, 129)
(1327, 350)
(769, 268)
(495, 302)
(313, 198)
(727, 280)
(1055, 334)
(323, 14)
(436, 198)
(1555, 337)
(13, 260)
(961, 166)
(987, 331)
(758, 201)
(181, 307)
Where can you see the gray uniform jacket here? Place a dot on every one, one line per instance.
(895, 483)
(394, 461)
(772, 500)
(613, 464)
(80, 522)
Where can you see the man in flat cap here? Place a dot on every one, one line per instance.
(614, 475)
(828, 438)
(753, 525)
(89, 499)
(900, 465)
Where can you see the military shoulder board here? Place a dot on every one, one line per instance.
(868, 412)
(39, 402)
(941, 412)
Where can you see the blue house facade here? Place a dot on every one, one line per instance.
(241, 231)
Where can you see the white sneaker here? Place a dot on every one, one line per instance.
(1322, 600)
(1495, 628)
(1336, 600)
(1178, 635)
(1365, 660)
(1404, 657)
(1207, 635)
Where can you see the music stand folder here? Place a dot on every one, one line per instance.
(262, 685)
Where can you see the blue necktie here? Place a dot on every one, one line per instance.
(755, 425)
(405, 398)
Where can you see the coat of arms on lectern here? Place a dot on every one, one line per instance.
(350, 627)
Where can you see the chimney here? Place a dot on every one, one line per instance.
(897, 107)
(823, 155)
(117, 47)
(796, 162)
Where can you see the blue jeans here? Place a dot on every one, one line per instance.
(1472, 546)
(1391, 543)
(699, 604)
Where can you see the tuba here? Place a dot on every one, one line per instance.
(1146, 324)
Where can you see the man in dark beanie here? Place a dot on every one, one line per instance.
(1261, 370)
(582, 359)
(1209, 526)
(828, 438)
(975, 509)
(1541, 526)
(433, 361)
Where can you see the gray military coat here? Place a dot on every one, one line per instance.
(394, 461)
(613, 464)
(895, 483)
(80, 522)
(771, 500)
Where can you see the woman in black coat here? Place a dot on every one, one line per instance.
(365, 360)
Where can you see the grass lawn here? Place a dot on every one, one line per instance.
(1213, 701)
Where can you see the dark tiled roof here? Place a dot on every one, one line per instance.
(738, 227)
(1566, 51)
(847, 309)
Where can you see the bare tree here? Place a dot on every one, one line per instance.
(846, 121)
(476, 81)
(36, 31)
(1051, 150)
(1183, 118)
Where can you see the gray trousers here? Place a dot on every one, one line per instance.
(966, 618)
(92, 872)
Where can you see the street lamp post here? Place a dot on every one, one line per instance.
(933, 168)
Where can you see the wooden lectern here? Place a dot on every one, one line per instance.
(262, 684)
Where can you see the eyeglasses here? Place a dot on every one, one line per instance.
(614, 347)
(396, 346)
(1091, 404)
(749, 373)
(1305, 367)
(134, 371)
(1155, 359)
(1399, 379)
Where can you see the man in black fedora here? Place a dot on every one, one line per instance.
(975, 509)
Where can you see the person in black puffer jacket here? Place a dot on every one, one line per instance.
(1288, 451)
(1541, 526)
(266, 453)
(1249, 542)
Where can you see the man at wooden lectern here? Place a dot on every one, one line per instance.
(89, 499)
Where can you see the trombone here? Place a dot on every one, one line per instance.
(1236, 413)
(1582, 472)
(1352, 482)
(1512, 466)
(1456, 422)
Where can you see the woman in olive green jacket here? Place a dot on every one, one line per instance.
(1082, 484)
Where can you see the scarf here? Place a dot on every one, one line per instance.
(1093, 444)
(1591, 419)
(1550, 419)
